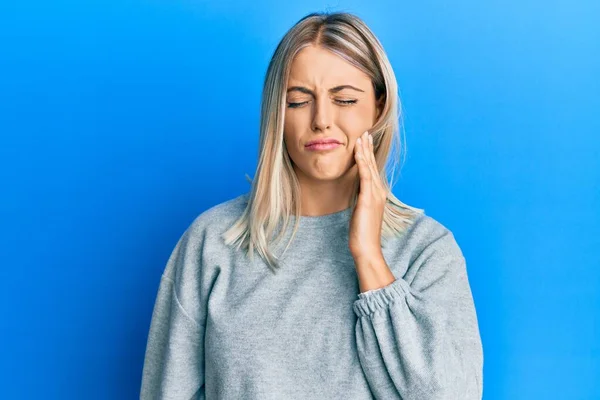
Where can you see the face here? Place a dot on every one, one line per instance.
(327, 98)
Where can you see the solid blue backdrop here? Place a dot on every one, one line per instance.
(121, 121)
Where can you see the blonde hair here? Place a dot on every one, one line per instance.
(275, 186)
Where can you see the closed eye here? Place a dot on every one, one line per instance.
(343, 102)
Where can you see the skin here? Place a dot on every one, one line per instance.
(326, 177)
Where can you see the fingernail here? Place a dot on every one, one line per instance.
(358, 140)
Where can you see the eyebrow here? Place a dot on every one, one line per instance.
(332, 90)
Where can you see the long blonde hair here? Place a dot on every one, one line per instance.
(275, 186)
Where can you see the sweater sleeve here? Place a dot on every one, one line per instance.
(174, 359)
(418, 337)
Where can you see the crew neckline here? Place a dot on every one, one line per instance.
(316, 221)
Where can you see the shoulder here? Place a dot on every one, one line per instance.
(218, 218)
(205, 232)
(202, 240)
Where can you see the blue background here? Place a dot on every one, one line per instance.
(121, 121)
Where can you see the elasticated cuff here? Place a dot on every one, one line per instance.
(371, 301)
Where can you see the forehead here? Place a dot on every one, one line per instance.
(315, 66)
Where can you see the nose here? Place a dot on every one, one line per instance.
(322, 114)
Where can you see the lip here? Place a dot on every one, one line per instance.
(320, 146)
(322, 141)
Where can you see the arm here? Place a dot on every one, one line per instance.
(174, 359)
(418, 337)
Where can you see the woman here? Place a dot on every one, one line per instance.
(368, 299)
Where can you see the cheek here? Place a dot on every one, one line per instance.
(292, 124)
(355, 120)
(292, 133)
(352, 120)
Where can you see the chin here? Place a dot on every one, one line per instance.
(327, 175)
(330, 172)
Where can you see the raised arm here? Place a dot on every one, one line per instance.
(418, 337)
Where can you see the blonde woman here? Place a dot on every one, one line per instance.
(354, 294)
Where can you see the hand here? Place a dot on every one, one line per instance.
(367, 216)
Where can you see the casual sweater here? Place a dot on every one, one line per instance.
(225, 327)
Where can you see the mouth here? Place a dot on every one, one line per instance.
(321, 146)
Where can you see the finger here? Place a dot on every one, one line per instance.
(373, 163)
(361, 157)
(362, 144)
(371, 157)
(377, 178)
(365, 147)
(364, 171)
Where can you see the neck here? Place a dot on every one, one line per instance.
(321, 197)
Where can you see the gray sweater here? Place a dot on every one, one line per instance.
(226, 328)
